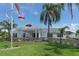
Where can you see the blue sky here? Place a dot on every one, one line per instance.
(32, 16)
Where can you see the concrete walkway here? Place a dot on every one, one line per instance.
(10, 48)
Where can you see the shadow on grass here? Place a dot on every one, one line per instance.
(62, 46)
(57, 48)
(53, 48)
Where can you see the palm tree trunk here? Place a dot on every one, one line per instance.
(61, 38)
(48, 30)
(9, 35)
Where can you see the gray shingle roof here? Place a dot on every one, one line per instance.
(32, 28)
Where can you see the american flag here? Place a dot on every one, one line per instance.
(21, 16)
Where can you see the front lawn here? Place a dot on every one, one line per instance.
(36, 48)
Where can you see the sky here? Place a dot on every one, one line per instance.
(32, 11)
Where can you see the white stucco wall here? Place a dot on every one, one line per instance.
(77, 36)
(72, 36)
(43, 34)
(54, 35)
(19, 35)
(64, 36)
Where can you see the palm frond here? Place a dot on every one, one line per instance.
(7, 24)
(42, 16)
(51, 13)
(70, 9)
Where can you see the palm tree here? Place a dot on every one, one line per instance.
(77, 32)
(6, 24)
(51, 14)
(62, 32)
(3, 35)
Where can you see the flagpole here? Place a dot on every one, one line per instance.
(12, 7)
(11, 26)
(11, 32)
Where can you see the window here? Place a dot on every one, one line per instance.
(59, 35)
(34, 35)
(50, 34)
(14, 34)
(37, 35)
(23, 34)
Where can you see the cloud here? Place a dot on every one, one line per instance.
(72, 24)
(73, 27)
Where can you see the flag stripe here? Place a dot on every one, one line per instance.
(17, 7)
(21, 16)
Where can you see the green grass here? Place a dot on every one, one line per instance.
(32, 48)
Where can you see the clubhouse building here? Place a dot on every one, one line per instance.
(30, 31)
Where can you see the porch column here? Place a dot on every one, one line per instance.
(35, 33)
(40, 33)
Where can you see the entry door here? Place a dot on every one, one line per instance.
(33, 35)
(24, 35)
(37, 35)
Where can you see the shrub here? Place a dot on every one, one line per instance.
(57, 50)
(5, 46)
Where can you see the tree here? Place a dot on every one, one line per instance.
(3, 35)
(77, 32)
(62, 30)
(6, 24)
(68, 33)
(51, 14)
